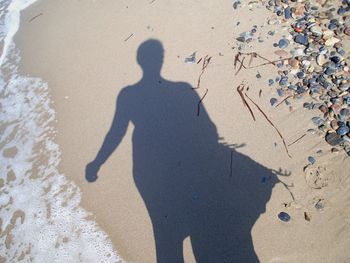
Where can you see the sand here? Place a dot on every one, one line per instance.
(80, 49)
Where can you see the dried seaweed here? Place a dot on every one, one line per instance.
(239, 57)
(240, 90)
(302, 136)
(126, 39)
(205, 64)
(271, 123)
(271, 62)
(284, 100)
(200, 101)
(35, 17)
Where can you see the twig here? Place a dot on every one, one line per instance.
(302, 136)
(284, 100)
(260, 91)
(200, 101)
(271, 62)
(199, 60)
(237, 58)
(35, 17)
(205, 64)
(240, 67)
(126, 39)
(255, 55)
(271, 123)
(287, 187)
(240, 89)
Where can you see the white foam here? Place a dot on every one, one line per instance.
(40, 216)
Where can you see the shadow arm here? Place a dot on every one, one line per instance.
(113, 138)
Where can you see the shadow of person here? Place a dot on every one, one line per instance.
(192, 185)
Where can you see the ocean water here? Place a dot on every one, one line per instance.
(40, 216)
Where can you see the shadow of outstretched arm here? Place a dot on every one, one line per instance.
(112, 139)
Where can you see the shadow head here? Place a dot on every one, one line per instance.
(150, 55)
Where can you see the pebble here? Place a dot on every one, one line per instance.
(321, 59)
(287, 13)
(319, 205)
(283, 43)
(342, 130)
(281, 53)
(301, 39)
(347, 31)
(334, 124)
(317, 121)
(293, 62)
(311, 159)
(316, 31)
(273, 101)
(283, 216)
(318, 66)
(331, 41)
(333, 139)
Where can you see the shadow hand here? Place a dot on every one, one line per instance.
(91, 172)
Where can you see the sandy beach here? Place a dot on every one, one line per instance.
(95, 56)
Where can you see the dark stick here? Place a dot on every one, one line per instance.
(126, 39)
(35, 17)
(302, 136)
(240, 67)
(286, 186)
(271, 123)
(284, 100)
(260, 91)
(272, 62)
(206, 62)
(240, 89)
(199, 60)
(200, 101)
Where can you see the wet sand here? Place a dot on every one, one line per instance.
(84, 52)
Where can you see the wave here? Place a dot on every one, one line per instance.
(40, 215)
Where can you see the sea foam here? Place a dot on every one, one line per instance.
(40, 216)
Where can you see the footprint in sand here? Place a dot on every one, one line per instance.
(316, 177)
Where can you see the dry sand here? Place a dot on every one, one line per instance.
(79, 48)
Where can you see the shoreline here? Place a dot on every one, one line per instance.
(84, 81)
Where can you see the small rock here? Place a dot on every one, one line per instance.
(293, 62)
(273, 101)
(317, 121)
(334, 124)
(283, 43)
(331, 41)
(347, 31)
(316, 31)
(287, 13)
(311, 159)
(281, 53)
(320, 59)
(301, 39)
(319, 204)
(333, 138)
(283, 216)
(342, 130)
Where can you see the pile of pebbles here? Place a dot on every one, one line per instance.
(318, 70)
